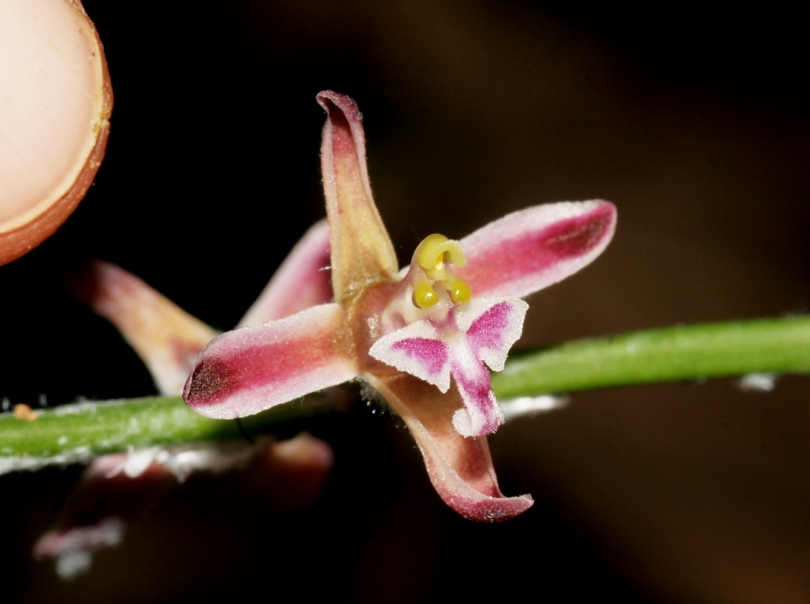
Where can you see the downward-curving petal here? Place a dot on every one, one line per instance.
(528, 250)
(251, 369)
(460, 468)
(302, 281)
(362, 252)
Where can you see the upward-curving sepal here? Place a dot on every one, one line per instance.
(529, 250)
(459, 467)
(362, 252)
(248, 370)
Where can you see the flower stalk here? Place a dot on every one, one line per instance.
(79, 432)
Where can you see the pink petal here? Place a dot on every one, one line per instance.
(166, 337)
(481, 414)
(362, 252)
(416, 349)
(302, 281)
(460, 468)
(528, 250)
(492, 326)
(251, 369)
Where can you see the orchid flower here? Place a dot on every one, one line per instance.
(422, 337)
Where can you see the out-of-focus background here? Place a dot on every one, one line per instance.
(691, 118)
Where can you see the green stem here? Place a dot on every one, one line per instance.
(81, 431)
(688, 352)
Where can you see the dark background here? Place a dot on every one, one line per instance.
(689, 117)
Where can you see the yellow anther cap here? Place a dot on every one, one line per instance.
(434, 256)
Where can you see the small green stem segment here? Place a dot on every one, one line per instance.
(692, 352)
(78, 432)
(688, 352)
